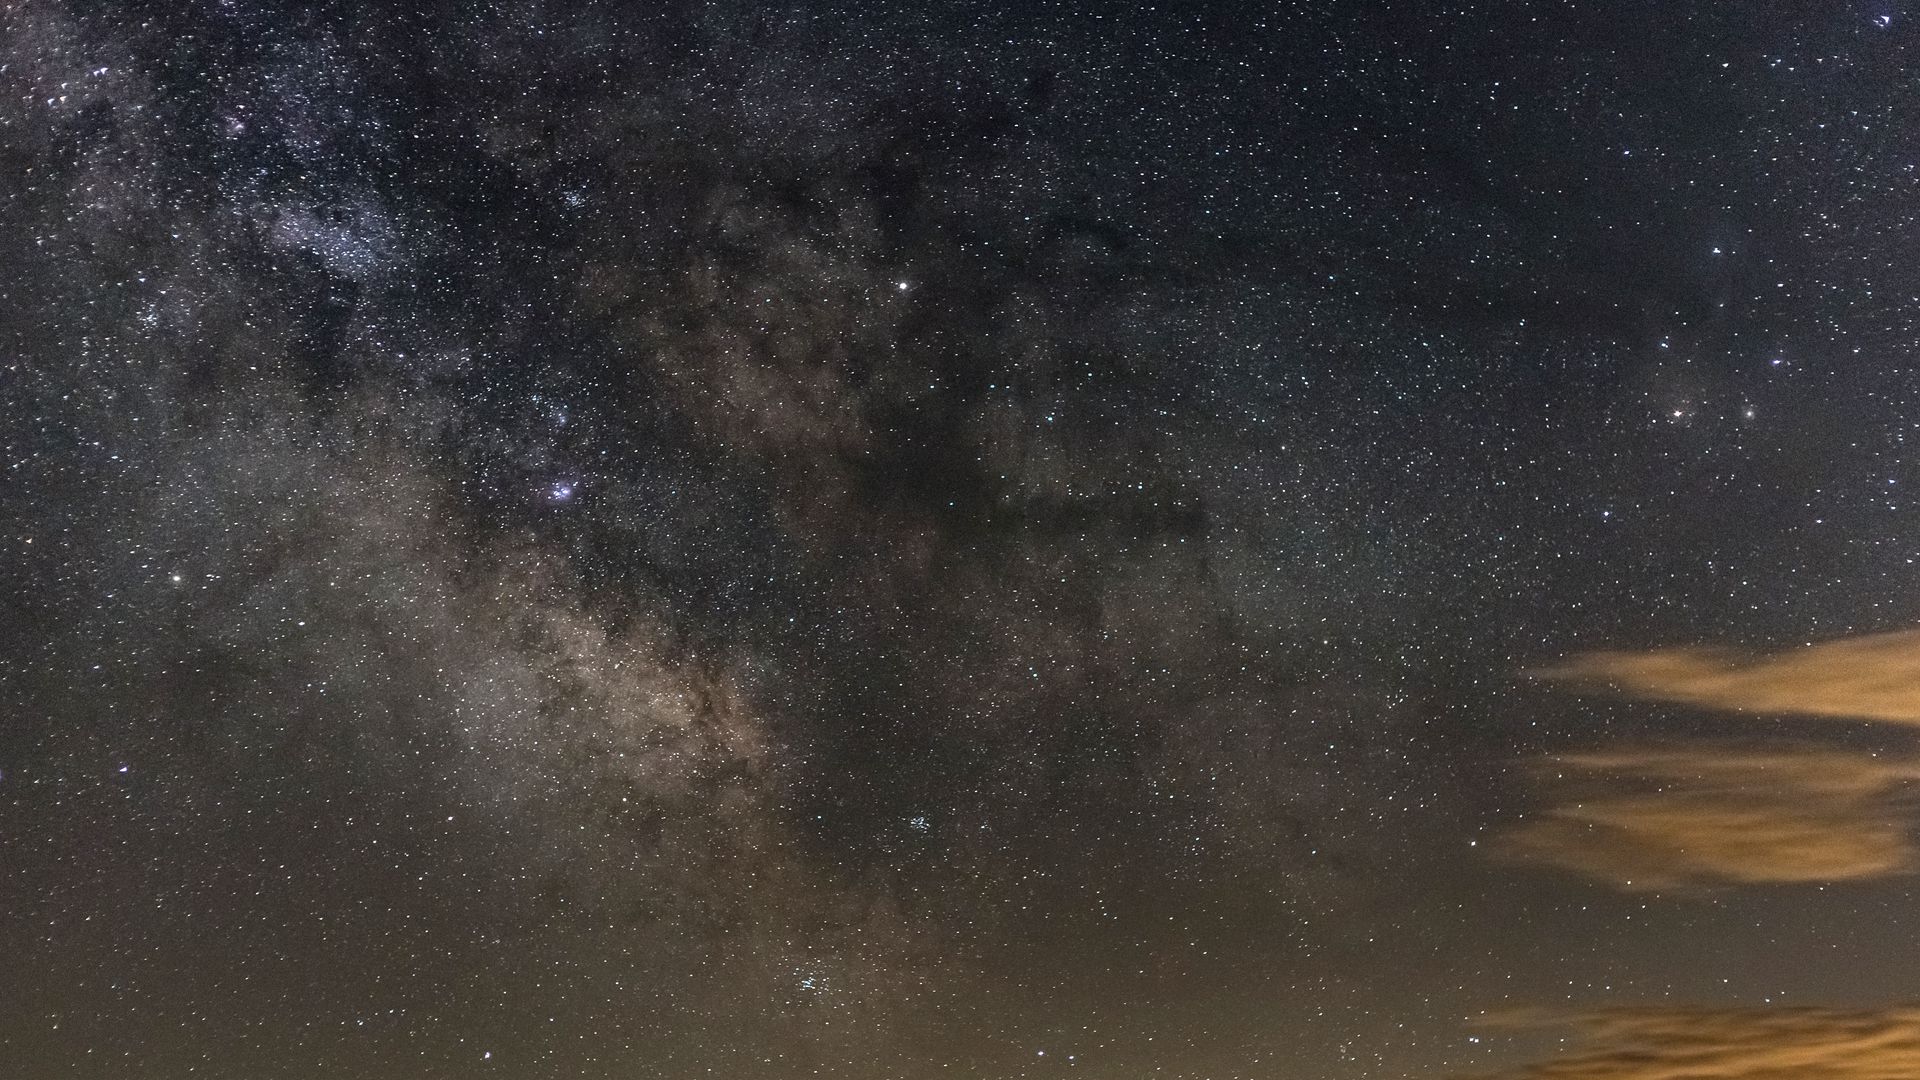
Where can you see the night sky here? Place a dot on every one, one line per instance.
(896, 541)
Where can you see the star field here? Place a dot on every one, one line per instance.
(866, 540)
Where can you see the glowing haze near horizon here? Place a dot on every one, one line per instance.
(968, 540)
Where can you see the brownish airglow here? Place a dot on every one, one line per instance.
(1698, 1043)
(1871, 677)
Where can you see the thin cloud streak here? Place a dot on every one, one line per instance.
(1872, 677)
(1698, 1043)
(1673, 817)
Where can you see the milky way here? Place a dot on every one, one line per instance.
(985, 540)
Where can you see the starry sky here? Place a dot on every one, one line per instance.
(763, 540)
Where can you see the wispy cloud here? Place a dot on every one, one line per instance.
(1655, 818)
(1689, 1043)
(1872, 677)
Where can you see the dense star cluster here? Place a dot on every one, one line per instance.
(870, 540)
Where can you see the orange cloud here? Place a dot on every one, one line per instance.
(1674, 817)
(1684, 1043)
(1873, 677)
